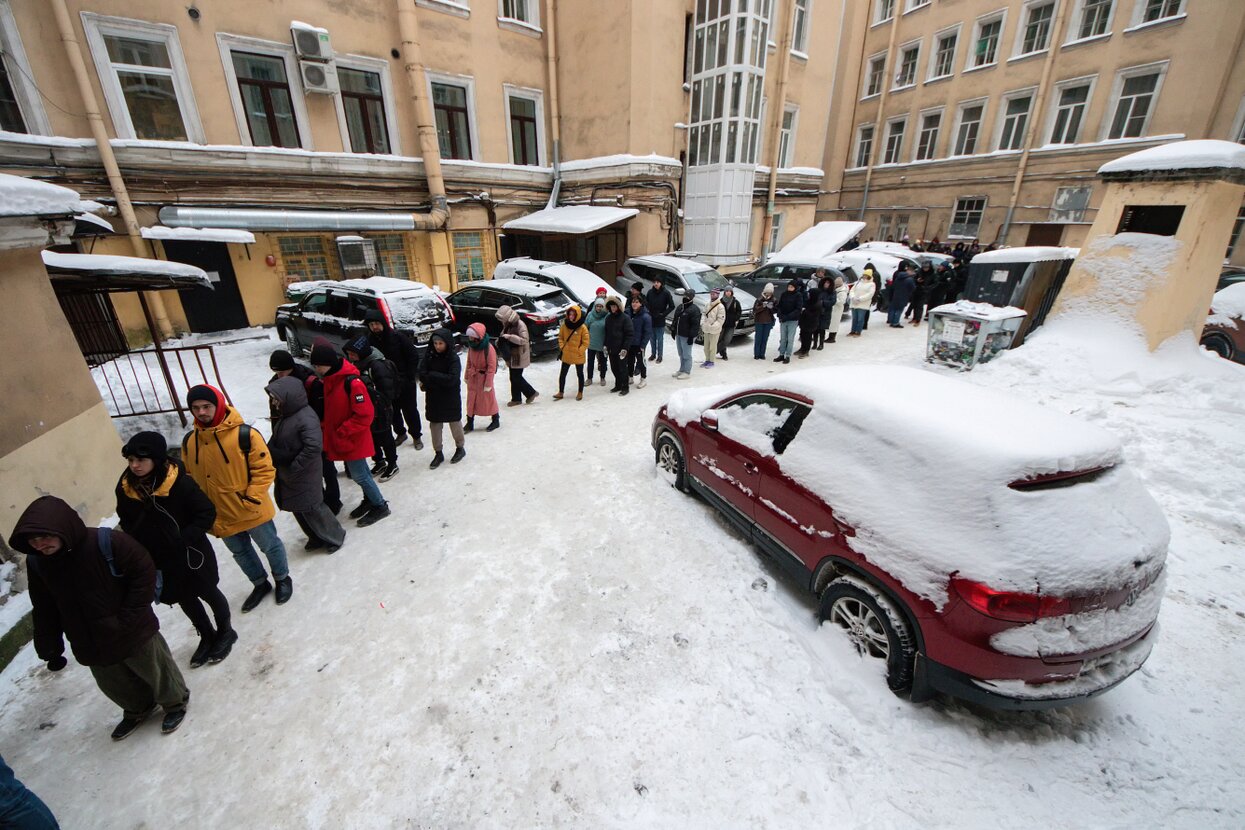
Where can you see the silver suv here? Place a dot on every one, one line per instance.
(679, 273)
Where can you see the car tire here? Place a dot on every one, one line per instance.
(291, 343)
(874, 625)
(670, 462)
(1220, 345)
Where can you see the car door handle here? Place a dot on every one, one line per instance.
(752, 468)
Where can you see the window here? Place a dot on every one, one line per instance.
(883, 10)
(908, 58)
(469, 262)
(1035, 36)
(449, 104)
(894, 140)
(1160, 10)
(1070, 204)
(884, 228)
(969, 128)
(144, 78)
(775, 234)
(11, 118)
(265, 92)
(786, 137)
(913, 5)
(1238, 134)
(1236, 233)
(307, 258)
(519, 11)
(1070, 113)
(901, 226)
(927, 142)
(864, 145)
(873, 79)
(799, 35)
(525, 115)
(1015, 121)
(966, 220)
(1095, 18)
(391, 255)
(364, 106)
(1160, 220)
(944, 54)
(1134, 103)
(986, 42)
(770, 422)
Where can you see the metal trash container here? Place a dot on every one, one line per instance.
(963, 334)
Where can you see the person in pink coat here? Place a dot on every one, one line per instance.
(481, 368)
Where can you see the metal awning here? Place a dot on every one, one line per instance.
(97, 273)
(572, 219)
(88, 224)
(175, 216)
(198, 234)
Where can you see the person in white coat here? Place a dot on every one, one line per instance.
(841, 290)
(860, 298)
(711, 326)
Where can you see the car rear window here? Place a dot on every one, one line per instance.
(416, 310)
(553, 301)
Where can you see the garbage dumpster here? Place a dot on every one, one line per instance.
(963, 334)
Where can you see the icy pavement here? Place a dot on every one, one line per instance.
(547, 635)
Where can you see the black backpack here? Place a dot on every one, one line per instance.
(244, 444)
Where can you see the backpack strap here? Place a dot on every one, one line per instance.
(244, 444)
(103, 536)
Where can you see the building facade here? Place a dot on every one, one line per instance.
(987, 119)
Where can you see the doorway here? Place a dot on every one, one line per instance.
(1045, 234)
(219, 308)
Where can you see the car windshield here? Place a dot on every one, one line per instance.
(414, 310)
(554, 301)
(707, 280)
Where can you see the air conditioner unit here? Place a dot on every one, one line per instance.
(358, 255)
(319, 77)
(311, 42)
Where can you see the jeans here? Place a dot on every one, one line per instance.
(859, 316)
(761, 339)
(519, 387)
(635, 362)
(658, 347)
(269, 542)
(685, 354)
(19, 807)
(786, 337)
(894, 314)
(361, 475)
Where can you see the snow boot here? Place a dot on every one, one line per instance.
(831, 336)
(172, 720)
(222, 646)
(459, 454)
(363, 507)
(624, 391)
(257, 594)
(579, 396)
(313, 544)
(557, 396)
(375, 515)
(206, 640)
(643, 382)
(470, 425)
(399, 439)
(437, 460)
(285, 590)
(494, 424)
(128, 725)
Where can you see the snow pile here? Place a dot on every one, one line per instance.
(1180, 155)
(1123, 266)
(1228, 306)
(29, 197)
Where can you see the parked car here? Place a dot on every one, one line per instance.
(781, 273)
(579, 284)
(1224, 332)
(541, 306)
(680, 273)
(903, 251)
(1018, 573)
(335, 310)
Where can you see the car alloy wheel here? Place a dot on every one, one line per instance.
(873, 625)
(291, 343)
(670, 464)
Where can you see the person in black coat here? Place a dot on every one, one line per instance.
(440, 376)
(810, 321)
(297, 444)
(920, 295)
(660, 303)
(685, 328)
(282, 364)
(618, 335)
(733, 312)
(164, 510)
(401, 349)
(374, 367)
(902, 287)
(790, 305)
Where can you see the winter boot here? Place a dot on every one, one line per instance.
(494, 424)
(532, 397)
(389, 472)
(459, 454)
(831, 336)
(643, 382)
(313, 544)
(579, 396)
(419, 443)
(363, 507)
(557, 396)
(378, 468)
(128, 725)
(285, 590)
(470, 425)
(222, 646)
(399, 439)
(260, 591)
(206, 639)
(172, 720)
(376, 514)
(437, 460)
(624, 391)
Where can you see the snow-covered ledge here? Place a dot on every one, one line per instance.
(624, 166)
(1185, 160)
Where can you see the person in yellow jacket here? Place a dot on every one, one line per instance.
(231, 463)
(573, 347)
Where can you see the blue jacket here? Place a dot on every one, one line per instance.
(790, 304)
(901, 288)
(595, 321)
(641, 327)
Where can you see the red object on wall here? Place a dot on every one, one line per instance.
(270, 259)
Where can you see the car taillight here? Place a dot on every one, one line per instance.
(449, 309)
(1010, 605)
(384, 310)
(541, 318)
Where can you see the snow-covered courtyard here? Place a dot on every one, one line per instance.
(548, 634)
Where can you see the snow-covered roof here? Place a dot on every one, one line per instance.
(980, 311)
(529, 288)
(819, 241)
(20, 196)
(97, 224)
(1030, 253)
(678, 264)
(571, 219)
(129, 272)
(198, 234)
(1181, 155)
(928, 495)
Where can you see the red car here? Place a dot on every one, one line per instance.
(983, 547)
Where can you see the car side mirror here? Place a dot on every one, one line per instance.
(709, 420)
(679, 291)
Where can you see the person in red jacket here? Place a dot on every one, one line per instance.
(347, 425)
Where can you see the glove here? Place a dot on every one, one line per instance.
(622, 355)
(57, 663)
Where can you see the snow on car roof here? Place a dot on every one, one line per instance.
(1227, 304)
(1028, 253)
(382, 285)
(919, 462)
(679, 264)
(526, 287)
(820, 240)
(582, 282)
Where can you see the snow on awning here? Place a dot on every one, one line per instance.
(819, 241)
(1029, 253)
(199, 234)
(30, 197)
(88, 224)
(572, 219)
(101, 273)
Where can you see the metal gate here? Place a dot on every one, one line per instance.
(94, 324)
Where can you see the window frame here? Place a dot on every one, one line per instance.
(1001, 117)
(860, 129)
(902, 121)
(787, 136)
(953, 150)
(878, 5)
(1026, 10)
(869, 62)
(939, 37)
(1234, 239)
(227, 44)
(524, 26)
(29, 101)
(1074, 35)
(940, 111)
(916, 5)
(457, 8)
(1238, 124)
(362, 63)
(955, 207)
(99, 26)
(538, 98)
(484, 260)
(999, 15)
(1139, 14)
(469, 84)
(1117, 88)
(1053, 103)
(900, 52)
(799, 46)
(775, 232)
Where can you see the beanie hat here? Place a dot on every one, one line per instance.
(476, 330)
(601, 292)
(322, 354)
(147, 445)
(359, 346)
(373, 315)
(768, 289)
(281, 361)
(714, 294)
(637, 286)
(213, 396)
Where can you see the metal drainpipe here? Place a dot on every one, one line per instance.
(780, 95)
(555, 116)
(1048, 66)
(412, 60)
(879, 139)
(73, 52)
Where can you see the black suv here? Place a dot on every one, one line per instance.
(541, 306)
(336, 310)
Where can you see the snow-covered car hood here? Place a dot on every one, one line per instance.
(919, 464)
(818, 242)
